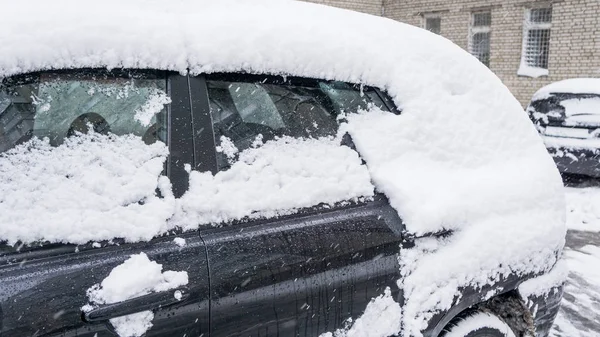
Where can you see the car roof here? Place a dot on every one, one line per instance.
(570, 86)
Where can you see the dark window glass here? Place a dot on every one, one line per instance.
(541, 15)
(243, 110)
(434, 25)
(538, 46)
(56, 105)
(482, 19)
(481, 47)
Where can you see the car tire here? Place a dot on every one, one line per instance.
(478, 324)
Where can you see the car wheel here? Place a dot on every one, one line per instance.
(479, 324)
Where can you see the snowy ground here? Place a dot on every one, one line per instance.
(580, 312)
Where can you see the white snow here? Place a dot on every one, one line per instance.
(508, 215)
(583, 209)
(573, 86)
(380, 319)
(91, 188)
(154, 104)
(135, 277)
(179, 241)
(582, 292)
(463, 155)
(581, 106)
(554, 131)
(543, 284)
(275, 179)
(529, 71)
(478, 321)
(178, 295)
(572, 143)
(227, 147)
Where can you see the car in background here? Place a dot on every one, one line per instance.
(567, 115)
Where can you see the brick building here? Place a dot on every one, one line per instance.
(528, 44)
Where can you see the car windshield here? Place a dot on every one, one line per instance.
(55, 105)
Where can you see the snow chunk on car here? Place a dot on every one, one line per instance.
(274, 179)
(92, 187)
(135, 277)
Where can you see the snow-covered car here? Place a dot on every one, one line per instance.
(567, 114)
(264, 168)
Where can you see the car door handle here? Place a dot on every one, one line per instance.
(150, 301)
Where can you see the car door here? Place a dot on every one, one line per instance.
(43, 286)
(299, 274)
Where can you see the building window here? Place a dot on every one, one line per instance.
(479, 36)
(433, 23)
(536, 42)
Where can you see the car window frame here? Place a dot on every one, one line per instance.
(205, 153)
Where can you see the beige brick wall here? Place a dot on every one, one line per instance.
(373, 7)
(574, 44)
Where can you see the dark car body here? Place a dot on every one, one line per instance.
(570, 131)
(301, 274)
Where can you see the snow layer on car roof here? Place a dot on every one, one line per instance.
(462, 156)
(571, 86)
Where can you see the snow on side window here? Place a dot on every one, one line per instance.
(281, 151)
(135, 277)
(243, 111)
(92, 187)
(277, 178)
(104, 182)
(70, 142)
(536, 42)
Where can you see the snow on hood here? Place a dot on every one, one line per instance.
(462, 156)
(570, 86)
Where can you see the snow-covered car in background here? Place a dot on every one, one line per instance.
(567, 114)
(264, 168)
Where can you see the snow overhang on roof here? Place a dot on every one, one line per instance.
(570, 86)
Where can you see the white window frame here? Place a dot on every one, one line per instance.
(478, 29)
(432, 16)
(524, 68)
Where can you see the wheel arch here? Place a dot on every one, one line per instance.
(505, 296)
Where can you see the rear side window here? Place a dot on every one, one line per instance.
(57, 105)
(243, 111)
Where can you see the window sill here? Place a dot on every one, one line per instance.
(533, 72)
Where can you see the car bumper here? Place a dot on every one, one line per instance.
(543, 295)
(544, 310)
(575, 156)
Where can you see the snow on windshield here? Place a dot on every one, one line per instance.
(462, 156)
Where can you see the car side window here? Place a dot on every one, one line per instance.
(57, 105)
(243, 111)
